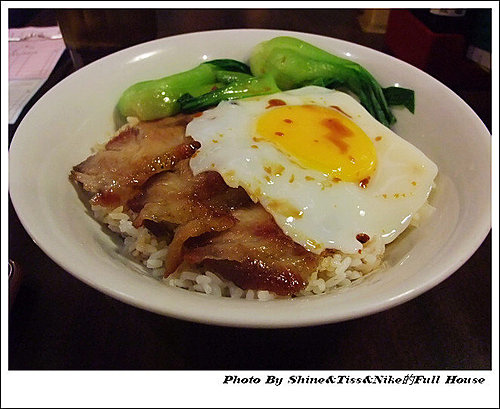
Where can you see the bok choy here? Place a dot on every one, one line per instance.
(294, 63)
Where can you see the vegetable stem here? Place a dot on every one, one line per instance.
(153, 99)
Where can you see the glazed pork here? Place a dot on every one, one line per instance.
(145, 168)
(116, 174)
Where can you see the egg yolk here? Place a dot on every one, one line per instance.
(320, 138)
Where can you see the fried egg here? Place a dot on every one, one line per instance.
(329, 173)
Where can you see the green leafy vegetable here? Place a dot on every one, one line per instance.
(294, 63)
(158, 98)
(242, 88)
(226, 64)
(279, 64)
(400, 96)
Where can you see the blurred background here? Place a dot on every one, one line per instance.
(453, 45)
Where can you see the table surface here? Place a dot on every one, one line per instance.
(57, 322)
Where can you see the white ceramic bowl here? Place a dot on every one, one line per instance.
(67, 121)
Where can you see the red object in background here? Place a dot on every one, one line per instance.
(442, 55)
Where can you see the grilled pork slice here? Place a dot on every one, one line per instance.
(221, 228)
(189, 205)
(178, 197)
(254, 253)
(117, 173)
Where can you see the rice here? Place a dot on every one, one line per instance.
(336, 271)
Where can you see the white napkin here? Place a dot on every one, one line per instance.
(33, 54)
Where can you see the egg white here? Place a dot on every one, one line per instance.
(308, 207)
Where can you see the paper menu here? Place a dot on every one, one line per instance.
(33, 54)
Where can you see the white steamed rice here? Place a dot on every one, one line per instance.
(335, 272)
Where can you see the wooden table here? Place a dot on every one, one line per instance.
(57, 322)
